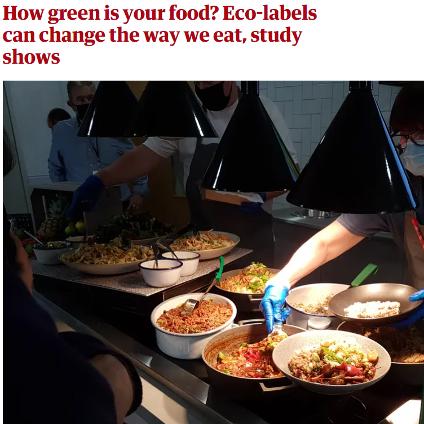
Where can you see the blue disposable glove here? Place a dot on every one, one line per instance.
(85, 197)
(272, 304)
(416, 316)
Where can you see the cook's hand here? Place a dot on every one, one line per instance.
(86, 196)
(416, 316)
(272, 303)
(136, 203)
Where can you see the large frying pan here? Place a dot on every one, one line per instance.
(400, 372)
(374, 292)
(238, 386)
(245, 302)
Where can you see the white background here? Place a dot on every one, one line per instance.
(349, 40)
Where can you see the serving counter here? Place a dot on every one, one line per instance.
(185, 382)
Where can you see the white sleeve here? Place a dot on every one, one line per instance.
(281, 126)
(165, 148)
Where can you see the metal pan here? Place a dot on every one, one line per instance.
(240, 387)
(313, 293)
(373, 292)
(245, 302)
(400, 372)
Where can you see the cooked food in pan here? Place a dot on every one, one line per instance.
(251, 279)
(317, 307)
(334, 363)
(207, 316)
(374, 309)
(252, 360)
(112, 253)
(405, 346)
(204, 240)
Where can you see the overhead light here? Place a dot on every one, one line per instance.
(111, 113)
(251, 156)
(355, 168)
(170, 109)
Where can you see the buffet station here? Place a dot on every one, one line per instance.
(342, 357)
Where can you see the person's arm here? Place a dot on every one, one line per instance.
(323, 247)
(136, 163)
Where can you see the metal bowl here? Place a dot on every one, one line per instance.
(288, 347)
(311, 293)
(374, 292)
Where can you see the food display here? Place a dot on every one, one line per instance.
(207, 316)
(251, 360)
(374, 309)
(51, 245)
(132, 227)
(104, 254)
(406, 346)
(251, 279)
(316, 307)
(339, 362)
(204, 240)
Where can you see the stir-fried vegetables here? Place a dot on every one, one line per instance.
(251, 360)
(251, 279)
(335, 363)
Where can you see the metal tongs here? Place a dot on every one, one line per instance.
(191, 304)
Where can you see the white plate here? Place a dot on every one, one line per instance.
(286, 349)
(220, 251)
(103, 269)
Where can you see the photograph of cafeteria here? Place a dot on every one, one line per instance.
(195, 252)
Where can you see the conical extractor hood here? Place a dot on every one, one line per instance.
(170, 109)
(355, 167)
(251, 156)
(111, 112)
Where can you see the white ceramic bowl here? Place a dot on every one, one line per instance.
(166, 273)
(187, 346)
(286, 349)
(190, 261)
(50, 256)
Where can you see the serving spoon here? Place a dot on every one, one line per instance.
(191, 304)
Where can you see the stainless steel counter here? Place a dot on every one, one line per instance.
(297, 216)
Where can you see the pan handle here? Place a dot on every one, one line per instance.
(254, 300)
(266, 389)
(251, 321)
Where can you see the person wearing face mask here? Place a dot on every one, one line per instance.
(74, 158)
(407, 228)
(219, 100)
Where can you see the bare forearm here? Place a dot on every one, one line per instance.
(132, 165)
(323, 247)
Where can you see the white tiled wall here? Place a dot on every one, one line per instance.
(309, 107)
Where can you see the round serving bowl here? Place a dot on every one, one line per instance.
(187, 346)
(288, 347)
(50, 255)
(190, 261)
(164, 273)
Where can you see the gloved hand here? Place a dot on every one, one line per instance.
(272, 304)
(416, 316)
(85, 197)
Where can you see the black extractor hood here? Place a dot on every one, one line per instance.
(251, 156)
(355, 168)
